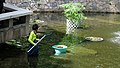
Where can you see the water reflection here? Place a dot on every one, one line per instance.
(12, 57)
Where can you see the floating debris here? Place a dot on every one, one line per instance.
(94, 38)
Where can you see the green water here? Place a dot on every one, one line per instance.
(106, 52)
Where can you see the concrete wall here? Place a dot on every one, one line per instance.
(102, 5)
(14, 31)
(14, 24)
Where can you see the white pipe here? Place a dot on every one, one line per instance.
(36, 44)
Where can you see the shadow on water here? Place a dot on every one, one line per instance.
(32, 61)
(8, 51)
(12, 57)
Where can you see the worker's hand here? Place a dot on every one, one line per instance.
(37, 39)
(34, 44)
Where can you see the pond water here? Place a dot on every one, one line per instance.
(101, 25)
(104, 54)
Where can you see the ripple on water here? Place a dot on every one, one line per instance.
(116, 39)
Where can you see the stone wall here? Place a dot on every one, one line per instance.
(102, 5)
(91, 5)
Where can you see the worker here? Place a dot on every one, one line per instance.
(33, 40)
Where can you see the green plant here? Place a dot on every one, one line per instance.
(70, 40)
(74, 11)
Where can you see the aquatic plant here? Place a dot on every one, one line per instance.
(71, 40)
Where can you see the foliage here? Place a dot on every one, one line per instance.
(71, 40)
(74, 11)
